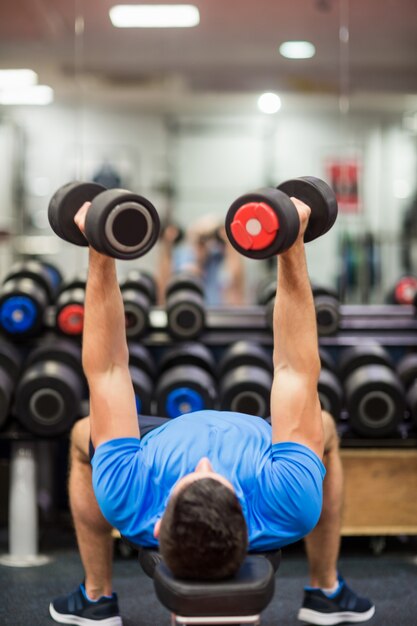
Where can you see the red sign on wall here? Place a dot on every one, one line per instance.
(343, 176)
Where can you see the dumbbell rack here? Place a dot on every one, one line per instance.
(394, 327)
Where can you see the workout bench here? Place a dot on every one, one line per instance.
(237, 600)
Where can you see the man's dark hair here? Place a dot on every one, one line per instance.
(203, 532)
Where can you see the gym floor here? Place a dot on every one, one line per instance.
(389, 579)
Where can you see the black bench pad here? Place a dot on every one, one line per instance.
(248, 593)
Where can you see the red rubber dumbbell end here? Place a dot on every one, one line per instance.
(254, 226)
(71, 319)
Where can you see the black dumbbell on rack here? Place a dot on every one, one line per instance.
(185, 307)
(10, 362)
(330, 389)
(407, 371)
(246, 379)
(374, 392)
(139, 295)
(266, 298)
(28, 289)
(187, 380)
(69, 307)
(119, 223)
(143, 372)
(51, 388)
(326, 303)
(265, 222)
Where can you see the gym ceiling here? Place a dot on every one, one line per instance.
(233, 51)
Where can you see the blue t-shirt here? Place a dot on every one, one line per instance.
(279, 486)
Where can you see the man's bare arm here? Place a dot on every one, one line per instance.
(295, 406)
(105, 352)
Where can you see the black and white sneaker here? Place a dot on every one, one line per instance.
(343, 606)
(76, 608)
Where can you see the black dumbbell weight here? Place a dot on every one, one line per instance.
(28, 289)
(327, 308)
(407, 371)
(266, 298)
(10, 362)
(119, 223)
(246, 379)
(188, 353)
(143, 372)
(265, 222)
(69, 307)
(357, 356)
(185, 307)
(375, 401)
(321, 199)
(50, 390)
(330, 389)
(374, 393)
(139, 294)
(186, 381)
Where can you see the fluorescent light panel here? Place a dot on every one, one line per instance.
(297, 49)
(17, 78)
(38, 95)
(154, 16)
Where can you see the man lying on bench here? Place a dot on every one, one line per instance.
(207, 486)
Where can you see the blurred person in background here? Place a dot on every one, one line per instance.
(204, 251)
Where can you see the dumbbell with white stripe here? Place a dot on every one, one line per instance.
(119, 223)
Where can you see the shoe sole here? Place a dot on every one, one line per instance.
(83, 621)
(329, 619)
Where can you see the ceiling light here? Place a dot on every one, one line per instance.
(17, 78)
(154, 16)
(297, 49)
(38, 94)
(269, 103)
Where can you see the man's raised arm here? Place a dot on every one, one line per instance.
(105, 353)
(295, 406)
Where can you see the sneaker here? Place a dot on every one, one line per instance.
(77, 609)
(343, 606)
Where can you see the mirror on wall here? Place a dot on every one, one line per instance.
(193, 116)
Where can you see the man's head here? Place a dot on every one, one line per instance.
(203, 533)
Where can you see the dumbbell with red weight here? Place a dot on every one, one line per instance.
(10, 362)
(245, 371)
(27, 290)
(119, 223)
(404, 291)
(51, 388)
(139, 294)
(264, 223)
(69, 307)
